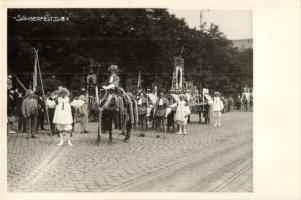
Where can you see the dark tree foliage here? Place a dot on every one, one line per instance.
(134, 39)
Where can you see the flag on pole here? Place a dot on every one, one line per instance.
(139, 81)
(35, 74)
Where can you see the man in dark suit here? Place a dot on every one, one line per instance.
(30, 113)
(11, 103)
(51, 97)
(160, 112)
(21, 120)
(41, 111)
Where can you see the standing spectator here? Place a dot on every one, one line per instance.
(182, 114)
(225, 102)
(41, 111)
(50, 98)
(63, 116)
(239, 102)
(251, 102)
(91, 81)
(217, 109)
(207, 108)
(160, 111)
(142, 111)
(21, 119)
(53, 83)
(230, 103)
(30, 113)
(11, 105)
(83, 111)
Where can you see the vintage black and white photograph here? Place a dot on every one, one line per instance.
(129, 100)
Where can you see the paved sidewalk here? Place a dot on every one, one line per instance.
(42, 166)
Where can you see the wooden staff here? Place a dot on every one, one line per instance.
(21, 83)
(39, 71)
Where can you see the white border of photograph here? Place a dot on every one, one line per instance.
(277, 133)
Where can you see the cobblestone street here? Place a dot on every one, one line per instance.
(208, 159)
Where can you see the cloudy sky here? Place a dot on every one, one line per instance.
(236, 24)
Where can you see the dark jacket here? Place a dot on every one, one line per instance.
(11, 103)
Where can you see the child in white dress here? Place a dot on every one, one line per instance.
(182, 114)
(63, 116)
(217, 107)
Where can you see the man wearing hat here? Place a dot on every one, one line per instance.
(30, 113)
(83, 111)
(114, 78)
(41, 110)
(91, 81)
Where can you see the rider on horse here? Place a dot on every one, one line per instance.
(113, 86)
(114, 78)
(120, 100)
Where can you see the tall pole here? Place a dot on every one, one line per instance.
(39, 71)
(21, 83)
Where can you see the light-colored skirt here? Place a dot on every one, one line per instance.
(180, 116)
(63, 116)
(64, 127)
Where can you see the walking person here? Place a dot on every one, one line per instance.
(30, 113)
(142, 111)
(63, 116)
(218, 106)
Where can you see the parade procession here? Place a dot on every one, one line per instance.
(111, 104)
(108, 100)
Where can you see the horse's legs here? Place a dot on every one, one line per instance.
(145, 121)
(164, 123)
(128, 131)
(99, 127)
(173, 126)
(157, 121)
(110, 128)
(140, 123)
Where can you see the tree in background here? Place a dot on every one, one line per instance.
(136, 40)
